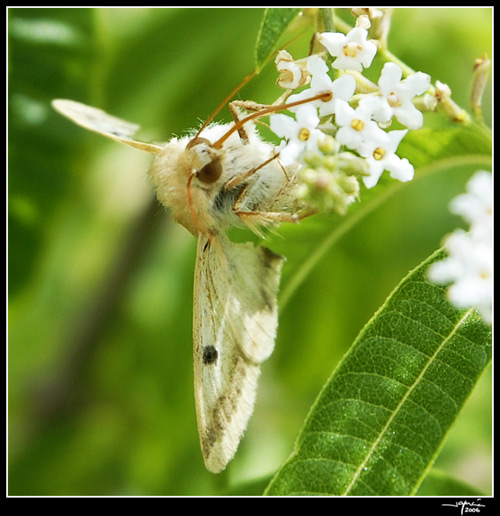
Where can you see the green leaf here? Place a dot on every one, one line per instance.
(428, 145)
(380, 420)
(274, 23)
(438, 483)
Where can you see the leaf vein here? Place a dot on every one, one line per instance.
(400, 405)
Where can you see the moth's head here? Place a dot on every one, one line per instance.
(204, 160)
(185, 173)
(205, 170)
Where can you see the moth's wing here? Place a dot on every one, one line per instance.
(100, 122)
(235, 323)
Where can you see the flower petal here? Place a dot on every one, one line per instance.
(389, 78)
(333, 42)
(418, 82)
(381, 111)
(282, 125)
(344, 87)
(291, 152)
(376, 170)
(348, 137)
(395, 138)
(357, 35)
(400, 169)
(368, 53)
(409, 116)
(316, 65)
(344, 113)
(307, 116)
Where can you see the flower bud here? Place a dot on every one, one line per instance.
(352, 165)
(308, 175)
(443, 96)
(479, 80)
(328, 145)
(349, 185)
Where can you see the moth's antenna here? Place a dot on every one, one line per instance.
(245, 81)
(325, 96)
(226, 100)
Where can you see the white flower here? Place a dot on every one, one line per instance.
(302, 134)
(292, 74)
(397, 95)
(353, 51)
(356, 125)
(381, 155)
(341, 89)
(469, 265)
(476, 206)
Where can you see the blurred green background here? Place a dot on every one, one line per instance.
(100, 395)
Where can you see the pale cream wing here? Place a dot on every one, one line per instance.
(235, 323)
(100, 122)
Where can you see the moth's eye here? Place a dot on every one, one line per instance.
(210, 172)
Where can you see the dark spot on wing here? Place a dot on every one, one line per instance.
(209, 355)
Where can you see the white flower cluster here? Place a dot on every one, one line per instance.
(469, 265)
(358, 128)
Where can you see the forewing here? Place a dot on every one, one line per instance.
(235, 322)
(100, 122)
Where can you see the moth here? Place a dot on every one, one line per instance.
(223, 175)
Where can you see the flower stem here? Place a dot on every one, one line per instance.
(389, 56)
(328, 19)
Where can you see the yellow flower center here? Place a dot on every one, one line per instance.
(352, 49)
(286, 76)
(393, 99)
(378, 153)
(357, 124)
(304, 134)
(484, 274)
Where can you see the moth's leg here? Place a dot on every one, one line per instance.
(233, 107)
(240, 178)
(254, 220)
(250, 105)
(262, 217)
(272, 216)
